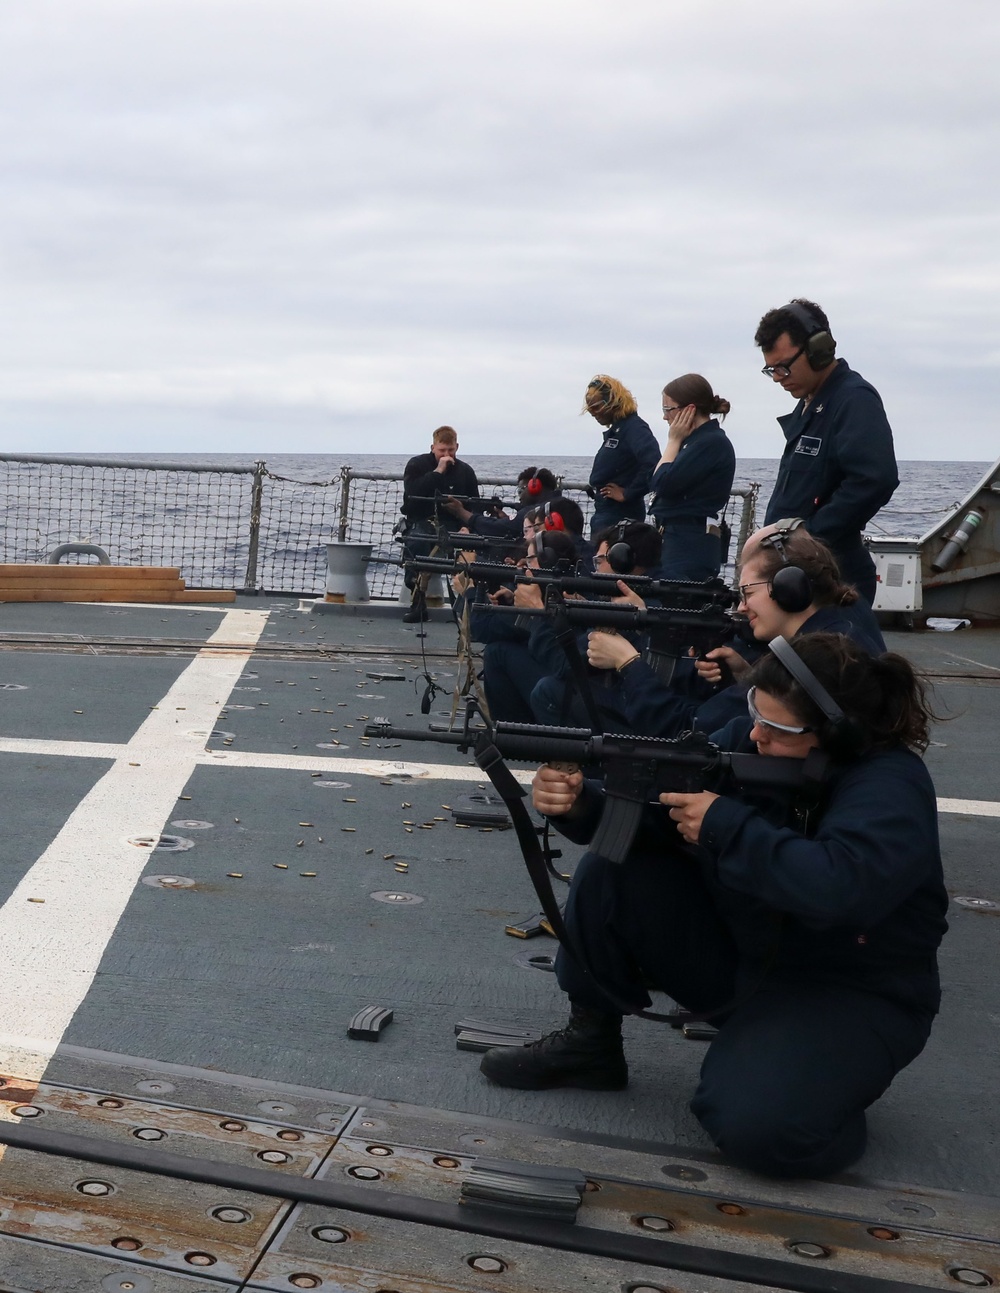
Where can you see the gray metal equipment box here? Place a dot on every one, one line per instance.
(897, 568)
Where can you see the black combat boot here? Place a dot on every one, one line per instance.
(586, 1053)
(417, 611)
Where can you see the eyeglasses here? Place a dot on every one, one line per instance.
(766, 722)
(756, 584)
(785, 369)
(671, 410)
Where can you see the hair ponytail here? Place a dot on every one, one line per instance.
(694, 389)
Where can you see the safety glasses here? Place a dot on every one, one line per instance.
(766, 722)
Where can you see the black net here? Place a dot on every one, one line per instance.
(298, 519)
(196, 521)
(205, 521)
(372, 515)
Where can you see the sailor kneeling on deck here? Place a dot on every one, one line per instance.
(806, 934)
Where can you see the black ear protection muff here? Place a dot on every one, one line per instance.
(621, 555)
(839, 735)
(790, 586)
(545, 557)
(820, 347)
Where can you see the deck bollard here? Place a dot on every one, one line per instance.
(346, 579)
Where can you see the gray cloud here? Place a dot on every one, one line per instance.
(318, 226)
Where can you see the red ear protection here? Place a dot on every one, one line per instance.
(534, 485)
(554, 521)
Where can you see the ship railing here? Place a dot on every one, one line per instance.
(227, 526)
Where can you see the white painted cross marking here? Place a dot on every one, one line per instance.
(50, 950)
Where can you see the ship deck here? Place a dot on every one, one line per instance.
(207, 873)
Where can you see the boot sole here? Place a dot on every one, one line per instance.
(580, 1083)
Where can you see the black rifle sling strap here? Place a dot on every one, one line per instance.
(490, 760)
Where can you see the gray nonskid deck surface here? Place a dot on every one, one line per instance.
(258, 975)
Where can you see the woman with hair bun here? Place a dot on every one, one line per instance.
(803, 922)
(692, 480)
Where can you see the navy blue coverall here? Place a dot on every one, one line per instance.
(687, 494)
(819, 942)
(627, 456)
(837, 469)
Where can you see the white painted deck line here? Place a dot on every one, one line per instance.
(50, 950)
(70, 749)
(358, 767)
(970, 807)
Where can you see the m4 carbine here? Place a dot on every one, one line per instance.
(636, 769)
(686, 594)
(671, 631)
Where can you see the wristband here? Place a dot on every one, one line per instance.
(631, 660)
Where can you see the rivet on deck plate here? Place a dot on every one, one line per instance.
(108, 1102)
(365, 1173)
(273, 1156)
(802, 1248)
(303, 1281)
(95, 1189)
(288, 1134)
(149, 1133)
(331, 1235)
(882, 1232)
(231, 1216)
(654, 1223)
(199, 1259)
(379, 1151)
(441, 1161)
(731, 1209)
(232, 1125)
(126, 1244)
(966, 1275)
(489, 1265)
(26, 1111)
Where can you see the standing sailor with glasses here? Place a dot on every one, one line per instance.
(838, 466)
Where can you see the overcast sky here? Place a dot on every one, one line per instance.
(315, 226)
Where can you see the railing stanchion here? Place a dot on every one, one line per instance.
(345, 502)
(256, 503)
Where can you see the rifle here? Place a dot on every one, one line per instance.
(637, 769)
(491, 504)
(489, 544)
(671, 630)
(680, 593)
